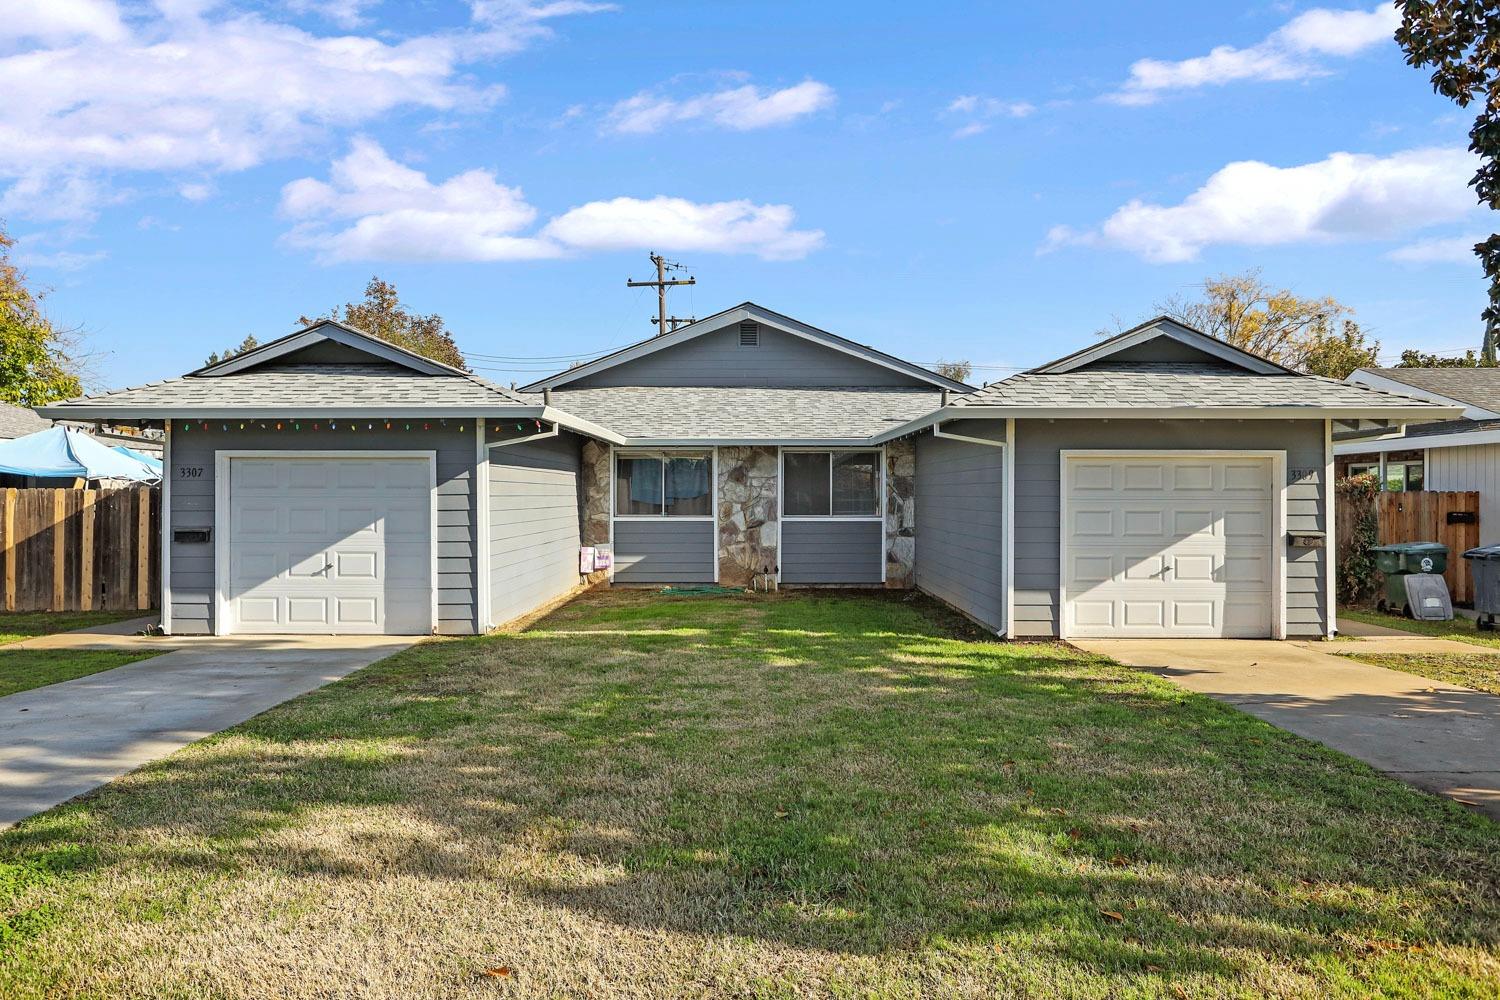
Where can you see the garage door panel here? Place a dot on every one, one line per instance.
(356, 566)
(1091, 476)
(1093, 521)
(1142, 614)
(330, 545)
(307, 610)
(1171, 547)
(1152, 478)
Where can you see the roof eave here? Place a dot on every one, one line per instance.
(63, 411)
(979, 411)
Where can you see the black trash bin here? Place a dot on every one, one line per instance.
(1484, 565)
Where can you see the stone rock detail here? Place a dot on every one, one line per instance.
(901, 515)
(594, 485)
(749, 530)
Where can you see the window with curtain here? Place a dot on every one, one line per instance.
(831, 483)
(664, 485)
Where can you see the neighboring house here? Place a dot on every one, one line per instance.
(18, 421)
(1159, 483)
(1462, 453)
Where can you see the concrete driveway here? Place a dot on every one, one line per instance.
(1439, 737)
(64, 739)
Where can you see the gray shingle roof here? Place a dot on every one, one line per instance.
(1147, 386)
(1475, 386)
(18, 421)
(738, 413)
(307, 388)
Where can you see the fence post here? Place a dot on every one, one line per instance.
(143, 549)
(59, 551)
(86, 556)
(9, 506)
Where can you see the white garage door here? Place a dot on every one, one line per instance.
(1160, 547)
(329, 545)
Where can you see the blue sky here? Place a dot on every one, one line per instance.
(990, 182)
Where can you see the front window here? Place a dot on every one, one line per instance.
(1404, 477)
(663, 485)
(831, 483)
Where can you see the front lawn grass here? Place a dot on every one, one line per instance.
(18, 625)
(22, 669)
(1480, 671)
(1460, 628)
(794, 796)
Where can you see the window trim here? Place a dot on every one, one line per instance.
(662, 455)
(880, 504)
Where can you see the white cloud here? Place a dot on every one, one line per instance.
(1440, 250)
(740, 109)
(374, 208)
(62, 20)
(194, 88)
(981, 110)
(344, 13)
(990, 107)
(1347, 196)
(1289, 53)
(680, 225)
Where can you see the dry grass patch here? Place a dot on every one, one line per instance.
(779, 797)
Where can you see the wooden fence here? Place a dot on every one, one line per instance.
(81, 550)
(1424, 517)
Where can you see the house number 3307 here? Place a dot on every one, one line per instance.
(190, 472)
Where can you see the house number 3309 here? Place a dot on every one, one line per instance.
(190, 472)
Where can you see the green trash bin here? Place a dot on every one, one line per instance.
(1402, 559)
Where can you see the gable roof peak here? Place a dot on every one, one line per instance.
(333, 330)
(761, 314)
(1174, 329)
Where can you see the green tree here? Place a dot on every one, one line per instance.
(383, 314)
(248, 344)
(1416, 359)
(958, 371)
(1313, 335)
(1335, 355)
(1459, 40)
(38, 363)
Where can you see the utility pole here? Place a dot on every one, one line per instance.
(661, 284)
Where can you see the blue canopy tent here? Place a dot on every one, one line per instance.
(149, 461)
(69, 453)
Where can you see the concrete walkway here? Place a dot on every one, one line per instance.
(64, 739)
(1439, 737)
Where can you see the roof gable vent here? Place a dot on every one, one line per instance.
(749, 333)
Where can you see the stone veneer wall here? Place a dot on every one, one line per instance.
(749, 525)
(595, 481)
(901, 514)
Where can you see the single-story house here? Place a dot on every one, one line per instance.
(1157, 483)
(1460, 453)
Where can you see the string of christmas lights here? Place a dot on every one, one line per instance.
(333, 425)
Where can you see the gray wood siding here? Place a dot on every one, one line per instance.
(191, 567)
(961, 524)
(665, 550)
(1471, 467)
(833, 551)
(1037, 447)
(718, 359)
(534, 526)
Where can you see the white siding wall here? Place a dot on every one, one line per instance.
(1473, 467)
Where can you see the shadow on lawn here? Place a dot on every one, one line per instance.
(824, 774)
